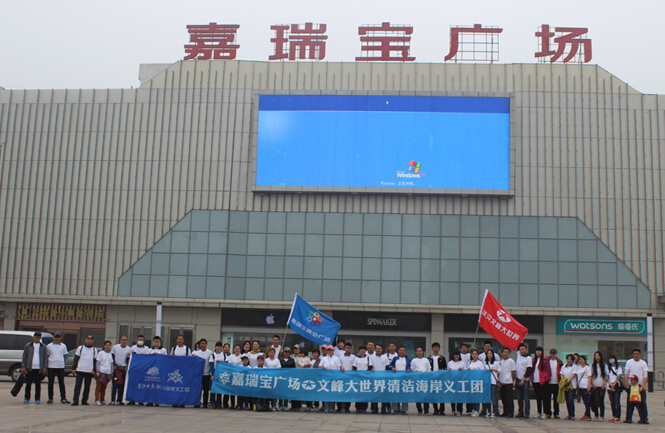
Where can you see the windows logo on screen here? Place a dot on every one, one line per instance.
(414, 166)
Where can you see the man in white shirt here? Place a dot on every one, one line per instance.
(438, 362)
(57, 353)
(370, 348)
(379, 363)
(157, 348)
(205, 354)
(392, 352)
(121, 352)
(339, 350)
(139, 349)
(400, 363)
(180, 349)
(33, 365)
(276, 345)
(84, 368)
(523, 369)
(637, 367)
(506, 378)
(347, 362)
(487, 345)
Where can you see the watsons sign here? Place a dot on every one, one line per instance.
(575, 325)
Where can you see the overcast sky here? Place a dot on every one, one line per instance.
(90, 44)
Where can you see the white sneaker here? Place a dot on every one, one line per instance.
(492, 416)
(537, 416)
(474, 413)
(543, 416)
(98, 403)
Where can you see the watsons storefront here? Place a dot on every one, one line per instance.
(609, 336)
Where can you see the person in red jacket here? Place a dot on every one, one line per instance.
(553, 385)
(539, 378)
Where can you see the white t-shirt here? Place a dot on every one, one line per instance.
(456, 365)
(362, 364)
(330, 363)
(583, 374)
(272, 363)
(554, 368)
(35, 355)
(141, 350)
(204, 355)
(481, 357)
(637, 368)
(598, 379)
(121, 354)
(180, 351)
(104, 362)
(466, 358)
(400, 364)
(339, 352)
(252, 358)
(568, 371)
(218, 357)
(536, 371)
(521, 364)
(507, 367)
(56, 355)
(278, 349)
(158, 351)
(235, 359)
(86, 359)
(347, 361)
(435, 362)
(613, 374)
(391, 356)
(378, 362)
(476, 365)
(493, 374)
(420, 364)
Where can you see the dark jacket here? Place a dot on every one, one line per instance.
(28, 352)
(392, 363)
(315, 363)
(443, 365)
(288, 362)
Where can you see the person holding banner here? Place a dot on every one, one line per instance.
(234, 359)
(347, 360)
(330, 362)
(315, 362)
(205, 354)
(421, 365)
(361, 363)
(400, 363)
(217, 357)
(286, 361)
(379, 363)
(244, 402)
(507, 377)
(456, 364)
(475, 364)
(492, 364)
(437, 362)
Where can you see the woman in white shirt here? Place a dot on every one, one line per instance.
(569, 371)
(492, 364)
(272, 362)
(104, 360)
(475, 364)
(598, 385)
(614, 387)
(361, 363)
(539, 381)
(583, 375)
(421, 364)
(234, 359)
(456, 364)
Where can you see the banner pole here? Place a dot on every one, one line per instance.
(295, 298)
(475, 336)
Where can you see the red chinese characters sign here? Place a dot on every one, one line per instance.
(386, 43)
(499, 324)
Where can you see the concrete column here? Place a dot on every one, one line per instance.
(549, 334)
(437, 331)
(10, 316)
(658, 344)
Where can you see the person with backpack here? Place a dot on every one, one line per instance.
(84, 368)
(180, 349)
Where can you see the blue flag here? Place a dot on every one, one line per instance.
(164, 379)
(317, 384)
(311, 323)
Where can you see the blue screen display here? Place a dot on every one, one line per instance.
(410, 142)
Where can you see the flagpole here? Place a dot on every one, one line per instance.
(295, 298)
(481, 312)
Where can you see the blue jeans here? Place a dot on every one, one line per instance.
(570, 402)
(641, 408)
(615, 401)
(523, 398)
(216, 399)
(495, 400)
(584, 396)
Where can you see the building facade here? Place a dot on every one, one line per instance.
(130, 198)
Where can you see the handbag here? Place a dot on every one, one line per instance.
(18, 385)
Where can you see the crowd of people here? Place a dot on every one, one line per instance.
(553, 380)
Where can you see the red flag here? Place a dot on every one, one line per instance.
(499, 324)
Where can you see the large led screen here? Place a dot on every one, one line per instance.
(415, 143)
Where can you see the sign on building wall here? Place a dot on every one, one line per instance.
(62, 312)
(386, 42)
(576, 325)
